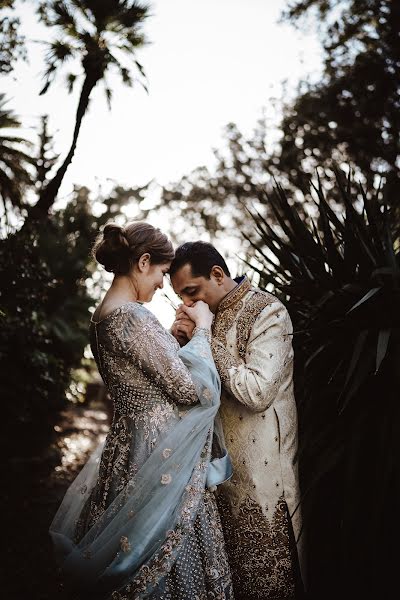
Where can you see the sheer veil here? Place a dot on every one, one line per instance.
(139, 535)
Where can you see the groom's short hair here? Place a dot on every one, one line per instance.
(201, 256)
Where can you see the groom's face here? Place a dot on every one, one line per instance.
(191, 289)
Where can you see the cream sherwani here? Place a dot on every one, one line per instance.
(252, 348)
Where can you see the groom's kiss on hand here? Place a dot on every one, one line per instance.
(252, 350)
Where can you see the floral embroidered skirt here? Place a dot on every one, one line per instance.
(201, 571)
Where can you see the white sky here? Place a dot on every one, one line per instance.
(210, 62)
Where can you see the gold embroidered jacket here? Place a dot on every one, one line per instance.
(252, 348)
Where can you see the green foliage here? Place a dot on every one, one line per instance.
(353, 113)
(11, 42)
(44, 315)
(44, 318)
(213, 200)
(340, 278)
(15, 175)
(98, 34)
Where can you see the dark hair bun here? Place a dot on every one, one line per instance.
(112, 250)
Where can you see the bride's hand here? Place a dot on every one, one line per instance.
(199, 313)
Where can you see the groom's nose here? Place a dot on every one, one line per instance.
(188, 303)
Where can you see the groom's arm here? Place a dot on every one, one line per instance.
(255, 381)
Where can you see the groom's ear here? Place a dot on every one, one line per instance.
(218, 274)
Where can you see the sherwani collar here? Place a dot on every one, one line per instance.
(235, 295)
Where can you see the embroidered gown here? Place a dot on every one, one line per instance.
(139, 522)
(259, 506)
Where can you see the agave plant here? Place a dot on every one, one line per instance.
(339, 275)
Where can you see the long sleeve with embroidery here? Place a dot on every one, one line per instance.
(140, 360)
(255, 381)
(156, 352)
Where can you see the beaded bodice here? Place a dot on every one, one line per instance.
(137, 359)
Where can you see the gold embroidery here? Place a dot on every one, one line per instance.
(224, 319)
(207, 393)
(223, 360)
(235, 295)
(193, 553)
(166, 452)
(166, 478)
(261, 552)
(202, 331)
(228, 309)
(124, 543)
(246, 320)
(149, 385)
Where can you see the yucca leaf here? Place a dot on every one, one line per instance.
(358, 347)
(362, 369)
(366, 297)
(382, 346)
(315, 354)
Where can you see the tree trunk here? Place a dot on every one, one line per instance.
(50, 191)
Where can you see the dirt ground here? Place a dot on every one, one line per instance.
(32, 493)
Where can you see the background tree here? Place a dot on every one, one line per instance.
(12, 44)
(352, 114)
(15, 165)
(44, 304)
(45, 158)
(98, 35)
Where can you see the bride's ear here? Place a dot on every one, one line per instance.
(143, 262)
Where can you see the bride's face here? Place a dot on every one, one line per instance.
(150, 278)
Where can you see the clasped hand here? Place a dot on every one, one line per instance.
(189, 317)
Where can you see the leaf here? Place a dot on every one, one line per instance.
(356, 354)
(367, 296)
(382, 346)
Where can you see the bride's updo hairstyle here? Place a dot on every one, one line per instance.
(118, 248)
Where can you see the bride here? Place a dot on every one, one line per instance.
(139, 520)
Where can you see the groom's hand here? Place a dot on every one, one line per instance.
(182, 327)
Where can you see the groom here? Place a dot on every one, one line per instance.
(252, 348)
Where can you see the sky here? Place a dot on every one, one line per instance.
(210, 62)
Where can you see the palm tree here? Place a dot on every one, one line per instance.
(98, 34)
(14, 161)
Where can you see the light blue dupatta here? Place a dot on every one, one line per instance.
(134, 543)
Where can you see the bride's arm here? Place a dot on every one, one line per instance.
(155, 350)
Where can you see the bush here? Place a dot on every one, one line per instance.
(44, 320)
(340, 279)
